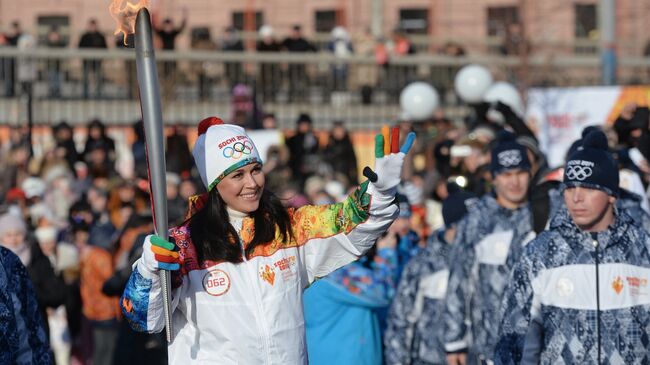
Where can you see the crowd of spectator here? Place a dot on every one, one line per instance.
(295, 76)
(77, 224)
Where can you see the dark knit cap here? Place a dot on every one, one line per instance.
(507, 154)
(592, 166)
(304, 118)
(578, 142)
(455, 206)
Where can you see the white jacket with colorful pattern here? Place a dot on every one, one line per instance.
(252, 312)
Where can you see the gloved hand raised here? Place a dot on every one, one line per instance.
(159, 254)
(389, 158)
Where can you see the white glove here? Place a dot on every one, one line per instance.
(388, 168)
(158, 254)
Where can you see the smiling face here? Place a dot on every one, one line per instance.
(242, 189)
(512, 187)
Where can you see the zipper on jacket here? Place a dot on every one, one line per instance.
(595, 243)
(260, 310)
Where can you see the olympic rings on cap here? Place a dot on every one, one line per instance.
(577, 172)
(238, 150)
(510, 158)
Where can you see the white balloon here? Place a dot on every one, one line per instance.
(419, 100)
(507, 94)
(471, 83)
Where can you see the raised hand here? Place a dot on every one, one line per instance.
(389, 158)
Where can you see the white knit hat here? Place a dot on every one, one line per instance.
(221, 149)
(44, 234)
(9, 221)
(266, 31)
(33, 187)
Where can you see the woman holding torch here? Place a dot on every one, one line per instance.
(241, 262)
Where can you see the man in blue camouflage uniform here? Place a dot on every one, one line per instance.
(580, 294)
(626, 200)
(489, 241)
(414, 335)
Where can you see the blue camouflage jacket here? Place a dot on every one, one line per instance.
(580, 298)
(414, 334)
(489, 241)
(22, 335)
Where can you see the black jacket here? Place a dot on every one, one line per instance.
(49, 287)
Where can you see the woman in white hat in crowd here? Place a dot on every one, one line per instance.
(241, 262)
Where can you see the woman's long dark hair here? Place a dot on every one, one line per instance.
(215, 239)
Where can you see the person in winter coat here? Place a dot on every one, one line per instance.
(489, 241)
(631, 204)
(241, 261)
(65, 146)
(178, 157)
(340, 45)
(49, 288)
(626, 200)
(342, 311)
(580, 294)
(408, 244)
(97, 136)
(131, 347)
(100, 311)
(92, 68)
(23, 338)
(304, 150)
(269, 74)
(339, 153)
(414, 335)
(139, 151)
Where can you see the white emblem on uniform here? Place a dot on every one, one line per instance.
(216, 282)
(564, 287)
(501, 248)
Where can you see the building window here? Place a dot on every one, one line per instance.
(585, 27)
(414, 21)
(325, 20)
(238, 20)
(200, 37)
(499, 20)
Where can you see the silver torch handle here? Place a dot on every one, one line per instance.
(153, 129)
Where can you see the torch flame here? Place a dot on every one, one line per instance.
(124, 13)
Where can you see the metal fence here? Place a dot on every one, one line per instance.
(78, 85)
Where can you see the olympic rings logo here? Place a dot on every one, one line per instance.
(509, 158)
(577, 172)
(238, 150)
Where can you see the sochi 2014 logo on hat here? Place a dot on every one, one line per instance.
(216, 282)
(579, 169)
(238, 150)
(236, 147)
(509, 158)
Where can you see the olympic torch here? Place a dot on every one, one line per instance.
(153, 129)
